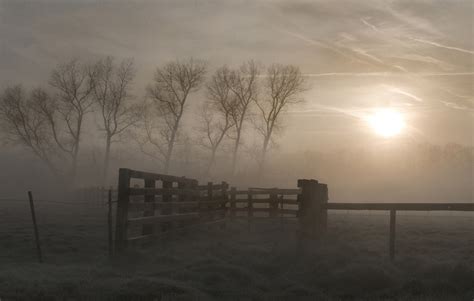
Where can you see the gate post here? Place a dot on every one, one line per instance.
(122, 209)
(312, 209)
(149, 211)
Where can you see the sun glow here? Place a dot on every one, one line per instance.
(386, 122)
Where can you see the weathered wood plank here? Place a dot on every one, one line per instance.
(267, 192)
(162, 191)
(277, 191)
(136, 174)
(289, 211)
(144, 206)
(263, 201)
(206, 187)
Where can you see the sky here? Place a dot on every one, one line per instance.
(413, 56)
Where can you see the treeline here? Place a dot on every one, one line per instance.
(50, 120)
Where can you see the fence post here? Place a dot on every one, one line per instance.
(183, 196)
(109, 223)
(250, 208)
(273, 204)
(232, 201)
(313, 214)
(147, 229)
(281, 209)
(196, 196)
(210, 206)
(393, 218)
(225, 198)
(167, 209)
(123, 199)
(33, 216)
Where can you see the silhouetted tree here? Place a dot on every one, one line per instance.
(243, 83)
(74, 87)
(111, 91)
(283, 86)
(24, 122)
(216, 113)
(169, 93)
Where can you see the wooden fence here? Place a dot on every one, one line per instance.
(181, 202)
(263, 202)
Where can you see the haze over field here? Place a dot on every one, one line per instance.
(237, 150)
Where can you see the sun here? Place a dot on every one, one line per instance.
(387, 122)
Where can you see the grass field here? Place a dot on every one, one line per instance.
(262, 260)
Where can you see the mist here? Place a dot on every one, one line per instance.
(236, 150)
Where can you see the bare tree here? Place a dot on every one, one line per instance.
(23, 121)
(111, 91)
(284, 84)
(217, 112)
(74, 86)
(169, 93)
(243, 84)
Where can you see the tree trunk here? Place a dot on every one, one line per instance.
(261, 167)
(105, 171)
(211, 161)
(236, 149)
(169, 152)
(76, 149)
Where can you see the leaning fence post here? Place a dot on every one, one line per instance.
(393, 218)
(123, 199)
(33, 216)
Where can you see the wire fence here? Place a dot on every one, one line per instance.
(69, 227)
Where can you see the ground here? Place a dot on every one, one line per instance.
(261, 260)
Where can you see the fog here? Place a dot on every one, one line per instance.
(374, 99)
(415, 57)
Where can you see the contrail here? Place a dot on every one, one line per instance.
(405, 93)
(324, 45)
(420, 74)
(456, 106)
(370, 25)
(442, 46)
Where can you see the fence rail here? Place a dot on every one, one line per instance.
(393, 208)
(402, 206)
